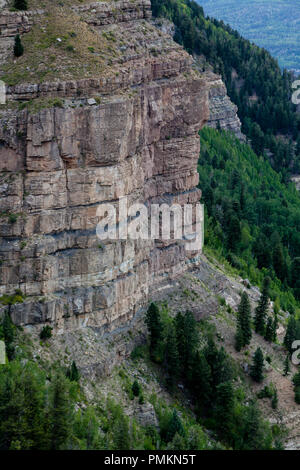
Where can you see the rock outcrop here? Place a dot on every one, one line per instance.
(73, 145)
(223, 113)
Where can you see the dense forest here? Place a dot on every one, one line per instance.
(253, 219)
(254, 81)
(282, 35)
(188, 353)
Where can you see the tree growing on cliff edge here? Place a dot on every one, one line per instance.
(18, 47)
(20, 4)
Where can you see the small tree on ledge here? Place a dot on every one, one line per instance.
(18, 47)
(20, 4)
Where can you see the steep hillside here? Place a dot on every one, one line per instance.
(271, 24)
(137, 344)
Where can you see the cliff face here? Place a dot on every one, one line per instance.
(67, 146)
(223, 112)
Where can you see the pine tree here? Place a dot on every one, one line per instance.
(262, 308)
(20, 4)
(187, 339)
(121, 433)
(175, 427)
(252, 432)
(224, 409)
(275, 326)
(73, 373)
(286, 369)
(154, 325)
(136, 388)
(256, 371)
(18, 47)
(60, 413)
(274, 402)
(291, 333)
(239, 339)
(201, 382)
(279, 262)
(244, 333)
(172, 362)
(269, 330)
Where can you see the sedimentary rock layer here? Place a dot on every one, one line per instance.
(134, 134)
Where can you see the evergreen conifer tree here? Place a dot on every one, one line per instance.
(262, 308)
(154, 325)
(291, 334)
(269, 330)
(175, 427)
(244, 333)
(73, 373)
(18, 47)
(224, 409)
(172, 362)
(60, 413)
(256, 371)
(20, 4)
(286, 369)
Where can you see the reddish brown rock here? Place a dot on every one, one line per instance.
(140, 140)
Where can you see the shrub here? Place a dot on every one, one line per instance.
(18, 47)
(12, 218)
(46, 332)
(136, 388)
(20, 4)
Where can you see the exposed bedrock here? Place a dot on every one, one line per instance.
(139, 140)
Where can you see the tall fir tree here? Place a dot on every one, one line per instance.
(172, 362)
(18, 47)
(244, 333)
(153, 322)
(269, 332)
(224, 409)
(262, 308)
(291, 333)
(256, 371)
(175, 427)
(201, 382)
(287, 368)
(60, 413)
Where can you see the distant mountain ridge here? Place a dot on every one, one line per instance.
(272, 24)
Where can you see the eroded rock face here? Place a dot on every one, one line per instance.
(223, 113)
(139, 139)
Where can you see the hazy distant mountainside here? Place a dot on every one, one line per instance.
(273, 24)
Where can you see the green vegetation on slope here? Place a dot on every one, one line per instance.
(191, 356)
(253, 219)
(253, 78)
(272, 24)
